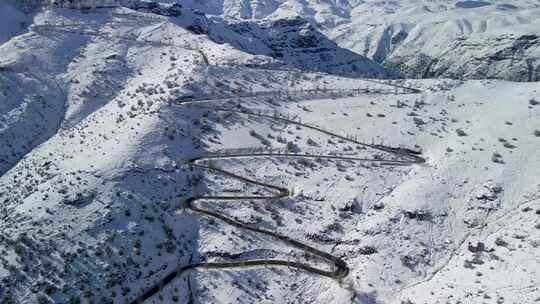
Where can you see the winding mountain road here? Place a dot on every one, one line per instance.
(339, 268)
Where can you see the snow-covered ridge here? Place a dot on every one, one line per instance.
(97, 146)
(295, 43)
(444, 38)
(448, 39)
(283, 44)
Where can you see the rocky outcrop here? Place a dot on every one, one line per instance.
(451, 39)
(505, 57)
(462, 39)
(295, 42)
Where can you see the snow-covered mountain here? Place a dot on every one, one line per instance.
(112, 119)
(421, 39)
(443, 38)
(457, 39)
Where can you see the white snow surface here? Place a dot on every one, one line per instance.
(443, 38)
(95, 144)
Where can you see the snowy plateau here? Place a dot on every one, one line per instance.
(270, 151)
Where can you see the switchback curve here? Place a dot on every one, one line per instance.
(340, 268)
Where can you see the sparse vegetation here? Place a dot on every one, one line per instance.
(100, 212)
(461, 133)
(497, 158)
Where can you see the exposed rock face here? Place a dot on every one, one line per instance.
(296, 43)
(461, 39)
(505, 57)
(454, 39)
(281, 42)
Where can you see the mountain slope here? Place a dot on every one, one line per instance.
(12, 21)
(87, 139)
(444, 38)
(103, 113)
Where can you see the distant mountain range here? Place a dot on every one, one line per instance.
(422, 39)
